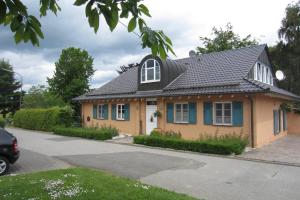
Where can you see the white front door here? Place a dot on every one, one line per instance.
(151, 120)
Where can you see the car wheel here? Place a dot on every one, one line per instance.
(4, 165)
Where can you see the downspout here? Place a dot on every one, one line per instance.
(251, 121)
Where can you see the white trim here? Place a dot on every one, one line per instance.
(264, 77)
(214, 113)
(101, 112)
(181, 122)
(117, 117)
(144, 67)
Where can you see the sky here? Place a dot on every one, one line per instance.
(182, 21)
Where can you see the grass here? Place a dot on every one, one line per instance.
(79, 183)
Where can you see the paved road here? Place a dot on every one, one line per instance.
(212, 178)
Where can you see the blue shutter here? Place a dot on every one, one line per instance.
(127, 112)
(208, 113)
(237, 113)
(105, 111)
(279, 121)
(113, 111)
(192, 113)
(170, 112)
(275, 118)
(284, 120)
(95, 111)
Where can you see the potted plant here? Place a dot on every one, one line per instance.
(157, 113)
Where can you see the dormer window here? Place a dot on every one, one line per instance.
(263, 73)
(150, 71)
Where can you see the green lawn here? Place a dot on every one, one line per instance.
(79, 183)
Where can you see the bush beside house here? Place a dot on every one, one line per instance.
(2, 122)
(223, 145)
(43, 119)
(102, 133)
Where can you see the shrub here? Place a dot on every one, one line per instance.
(222, 146)
(103, 133)
(43, 119)
(2, 121)
(167, 134)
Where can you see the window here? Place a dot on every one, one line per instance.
(150, 71)
(223, 113)
(182, 113)
(263, 74)
(120, 111)
(100, 111)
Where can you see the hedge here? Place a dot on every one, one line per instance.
(2, 122)
(223, 147)
(43, 119)
(103, 133)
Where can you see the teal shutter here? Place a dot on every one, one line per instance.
(113, 111)
(95, 111)
(127, 112)
(284, 120)
(105, 110)
(275, 118)
(207, 113)
(170, 112)
(192, 113)
(237, 113)
(279, 121)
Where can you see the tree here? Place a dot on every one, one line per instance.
(9, 97)
(72, 73)
(27, 27)
(224, 40)
(40, 97)
(286, 54)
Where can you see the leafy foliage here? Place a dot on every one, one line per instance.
(224, 40)
(40, 97)
(43, 119)
(102, 133)
(2, 122)
(9, 97)
(72, 73)
(286, 54)
(223, 146)
(27, 27)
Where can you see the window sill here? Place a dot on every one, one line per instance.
(181, 122)
(226, 125)
(142, 82)
(120, 119)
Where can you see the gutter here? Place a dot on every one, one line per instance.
(251, 121)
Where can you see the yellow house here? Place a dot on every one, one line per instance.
(229, 92)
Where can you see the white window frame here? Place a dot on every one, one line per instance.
(263, 74)
(181, 113)
(117, 111)
(214, 113)
(102, 111)
(144, 67)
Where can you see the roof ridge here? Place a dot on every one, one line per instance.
(224, 51)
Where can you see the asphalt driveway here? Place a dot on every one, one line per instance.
(284, 150)
(201, 176)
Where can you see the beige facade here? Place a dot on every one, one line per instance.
(262, 115)
(293, 123)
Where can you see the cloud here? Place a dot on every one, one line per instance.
(183, 21)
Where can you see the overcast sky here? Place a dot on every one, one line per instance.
(182, 21)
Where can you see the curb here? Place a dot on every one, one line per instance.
(234, 157)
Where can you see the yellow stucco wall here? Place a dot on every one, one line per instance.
(263, 120)
(293, 123)
(262, 117)
(128, 127)
(194, 131)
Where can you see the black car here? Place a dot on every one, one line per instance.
(9, 151)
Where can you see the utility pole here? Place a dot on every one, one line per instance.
(21, 80)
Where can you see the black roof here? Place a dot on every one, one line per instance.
(214, 73)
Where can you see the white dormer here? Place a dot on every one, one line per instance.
(150, 71)
(263, 73)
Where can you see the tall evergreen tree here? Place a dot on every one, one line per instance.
(286, 54)
(9, 97)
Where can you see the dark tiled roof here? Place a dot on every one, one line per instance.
(214, 73)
